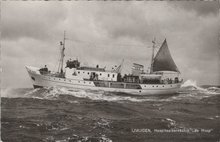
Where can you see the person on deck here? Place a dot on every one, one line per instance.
(45, 68)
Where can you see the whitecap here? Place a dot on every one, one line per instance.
(171, 122)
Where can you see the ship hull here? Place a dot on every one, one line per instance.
(39, 80)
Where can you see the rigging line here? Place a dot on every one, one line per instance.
(56, 64)
(101, 44)
(71, 51)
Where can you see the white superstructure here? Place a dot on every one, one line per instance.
(39, 80)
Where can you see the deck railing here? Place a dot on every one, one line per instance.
(114, 84)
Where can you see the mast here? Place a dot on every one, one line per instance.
(62, 44)
(152, 58)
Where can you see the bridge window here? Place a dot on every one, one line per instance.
(88, 73)
(113, 76)
(108, 75)
(100, 74)
(78, 72)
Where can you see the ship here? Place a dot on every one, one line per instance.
(162, 78)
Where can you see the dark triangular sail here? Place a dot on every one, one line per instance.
(163, 60)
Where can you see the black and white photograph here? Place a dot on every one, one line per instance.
(110, 71)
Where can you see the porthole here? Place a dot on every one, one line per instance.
(78, 72)
(140, 91)
(88, 73)
(108, 75)
(113, 76)
(163, 86)
(79, 81)
(100, 74)
(156, 86)
(153, 86)
(33, 78)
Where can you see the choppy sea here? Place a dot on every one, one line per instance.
(62, 115)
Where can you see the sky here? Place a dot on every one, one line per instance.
(105, 32)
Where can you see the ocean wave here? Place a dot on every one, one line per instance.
(78, 138)
(188, 91)
(53, 93)
(171, 122)
(192, 85)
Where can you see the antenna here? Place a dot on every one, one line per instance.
(152, 58)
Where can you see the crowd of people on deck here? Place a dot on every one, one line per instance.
(170, 81)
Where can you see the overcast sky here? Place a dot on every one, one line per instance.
(106, 32)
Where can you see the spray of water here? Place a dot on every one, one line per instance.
(97, 95)
(189, 83)
(189, 89)
(192, 85)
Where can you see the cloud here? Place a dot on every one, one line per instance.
(104, 33)
(126, 20)
(34, 20)
(202, 8)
